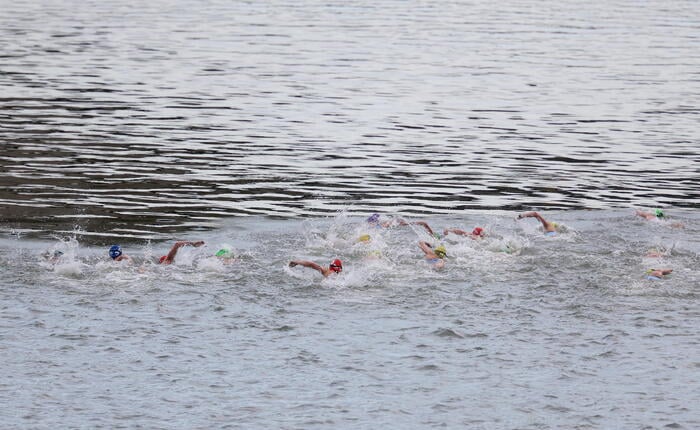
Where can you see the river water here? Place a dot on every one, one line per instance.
(276, 128)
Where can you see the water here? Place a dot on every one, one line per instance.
(169, 116)
(563, 332)
(276, 128)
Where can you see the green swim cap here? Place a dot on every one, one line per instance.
(437, 235)
(441, 252)
(225, 253)
(659, 213)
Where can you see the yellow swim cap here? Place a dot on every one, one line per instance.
(364, 238)
(441, 252)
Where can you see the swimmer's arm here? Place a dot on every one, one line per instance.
(549, 226)
(173, 251)
(545, 224)
(426, 226)
(399, 222)
(426, 248)
(456, 231)
(309, 264)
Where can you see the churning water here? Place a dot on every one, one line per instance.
(275, 128)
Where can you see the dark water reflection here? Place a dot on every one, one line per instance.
(168, 116)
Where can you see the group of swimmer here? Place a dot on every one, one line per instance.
(224, 254)
(435, 255)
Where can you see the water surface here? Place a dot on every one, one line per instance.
(561, 332)
(169, 116)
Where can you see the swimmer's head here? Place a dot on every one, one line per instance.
(115, 251)
(478, 231)
(224, 253)
(336, 266)
(440, 251)
(659, 213)
(56, 254)
(162, 259)
(373, 218)
(649, 271)
(364, 238)
(437, 235)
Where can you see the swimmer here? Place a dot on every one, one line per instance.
(54, 257)
(550, 228)
(657, 274)
(477, 233)
(435, 257)
(335, 267)
(365, 238)
(225, 255)
(117, 255)
(170, 258)
(374, 222)
(658, 213)
(428, 229)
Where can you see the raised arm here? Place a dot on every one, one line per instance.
(173, 251)
(426, 226)
(548, 226)
(309, 264)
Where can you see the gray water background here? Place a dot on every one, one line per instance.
(562, 333)
(168, 116)
(275, 127)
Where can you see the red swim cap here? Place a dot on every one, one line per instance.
(336, 266)
(478, 231)
(162, 259)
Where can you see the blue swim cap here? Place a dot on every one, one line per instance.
(115, 251)
(373, 218)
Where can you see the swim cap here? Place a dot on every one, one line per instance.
(441, 252)
(437, 235)
(364, 238)
(115, 251)
(659, 213)
(478, 231)
(57, 254)
(336, 266)
(162, 259)
(224, 253)
(373, 218)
